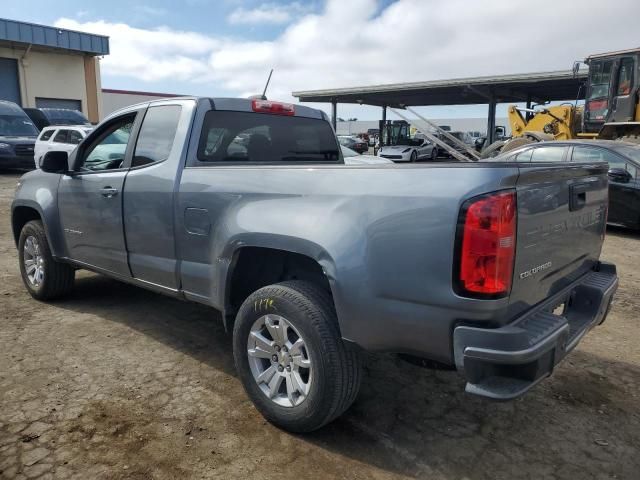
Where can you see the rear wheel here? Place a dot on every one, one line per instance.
(291, 359)
(44, 277)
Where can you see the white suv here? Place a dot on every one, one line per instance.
(59, 138)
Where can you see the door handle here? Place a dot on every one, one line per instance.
(109, 192)
(578, 195)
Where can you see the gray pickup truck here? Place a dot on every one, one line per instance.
(247, 206)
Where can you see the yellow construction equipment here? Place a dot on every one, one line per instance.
(611, 109)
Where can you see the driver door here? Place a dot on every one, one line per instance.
(624, 96)
(90, 198)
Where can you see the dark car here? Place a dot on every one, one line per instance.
(45, 117)
(17, 137)
(353, 143)
(624, 170)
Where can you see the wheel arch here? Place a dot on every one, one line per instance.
(257, 264)
(24, 210)
(20, 216)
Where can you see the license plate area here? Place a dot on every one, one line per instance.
(561, 307)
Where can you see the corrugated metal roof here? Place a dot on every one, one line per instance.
(559, 85)
(617, 52)
(53, 37)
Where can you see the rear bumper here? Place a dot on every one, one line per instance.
(504, 363)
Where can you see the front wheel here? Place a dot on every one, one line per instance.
(44, 277)
(414, 156)
(290, 357)
(434, 154)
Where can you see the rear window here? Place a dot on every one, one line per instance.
(264, 138)
(65, 117)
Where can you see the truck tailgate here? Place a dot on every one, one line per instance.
(562, 211)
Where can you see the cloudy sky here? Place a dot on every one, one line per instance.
(226, 47)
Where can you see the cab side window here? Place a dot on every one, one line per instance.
(106, 151)
(156, 136)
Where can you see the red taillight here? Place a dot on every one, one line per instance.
(487, 244)
(276, 108)
(597, 104)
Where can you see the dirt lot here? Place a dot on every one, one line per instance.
(117, 382)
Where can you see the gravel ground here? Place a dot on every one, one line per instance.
(117, 382)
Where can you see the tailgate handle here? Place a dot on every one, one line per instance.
(578, 196)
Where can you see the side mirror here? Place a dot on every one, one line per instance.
(55, 162)
(619, 175)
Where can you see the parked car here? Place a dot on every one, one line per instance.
(59, 138)
(353, 143)
(44, 117)
(351, 157)
(624, 170)
(17, 137)
(311, 262)
(411, 150)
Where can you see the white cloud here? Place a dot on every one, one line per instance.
(267, 13)
(346, 45)
(151, 55)
(150, 10)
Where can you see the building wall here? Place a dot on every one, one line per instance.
(113, 100)
(53, 74)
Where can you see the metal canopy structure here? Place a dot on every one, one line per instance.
(15, 32)
(531, 88)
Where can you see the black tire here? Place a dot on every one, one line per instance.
(493, 150)
(414, 156)
(337, 368)
(58, 277)
(434, 154)
(516, 142)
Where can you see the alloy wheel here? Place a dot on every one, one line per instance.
(33, 261)
(279, 360)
